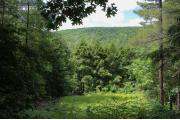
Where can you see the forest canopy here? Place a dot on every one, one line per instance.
(99, 72)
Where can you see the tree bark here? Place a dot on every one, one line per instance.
(3, 12)
(161, 76)
(170, 102)
(161, 82)
(27, 25)
(178, 100)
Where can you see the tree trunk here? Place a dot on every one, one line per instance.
(27, 25)
(82, 88)
(170, 102)
(161, 76)
(161, 82)
(3, 12)
(178, 100)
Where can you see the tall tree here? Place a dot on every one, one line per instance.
(152, 14)
(161, 70)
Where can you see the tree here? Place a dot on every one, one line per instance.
(99, 67)
(29, 71)
(152, 13)
(172, 48)
(149, 12)
(57, 68)
(15, 88)
(169, 45)
(58, 11)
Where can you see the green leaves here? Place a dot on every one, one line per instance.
(150, 12)
(142, 70)
(105, 64)
(58, 11)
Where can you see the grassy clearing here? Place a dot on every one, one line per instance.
(102, 105)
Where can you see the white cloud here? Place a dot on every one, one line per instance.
(134, 22)
(99, 18)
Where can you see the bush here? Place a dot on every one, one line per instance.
(159, 112)
(117, 110)
(120, 106)
(128, 88)
(130, 106)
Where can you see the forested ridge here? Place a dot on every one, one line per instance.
(100, 72)
(119, 35)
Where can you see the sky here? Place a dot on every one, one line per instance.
(124, 17)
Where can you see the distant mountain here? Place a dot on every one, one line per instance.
(117, 35)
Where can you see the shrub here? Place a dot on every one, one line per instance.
(121, 107)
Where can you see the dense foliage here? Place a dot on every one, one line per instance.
(169, 44)
(101, 67)
(115, 77)
(33, 66)
(119, 36)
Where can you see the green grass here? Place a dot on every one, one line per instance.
(80, 104)
(101, 105)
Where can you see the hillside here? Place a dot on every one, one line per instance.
(120, 35)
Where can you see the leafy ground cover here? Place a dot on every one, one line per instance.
(102, 105)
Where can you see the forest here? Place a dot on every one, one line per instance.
(88, 73)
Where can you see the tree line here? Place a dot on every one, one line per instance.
(37, 66)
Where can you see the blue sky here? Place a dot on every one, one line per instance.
(124, 17)
(130, 15)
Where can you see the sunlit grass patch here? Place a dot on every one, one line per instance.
(103, 105)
